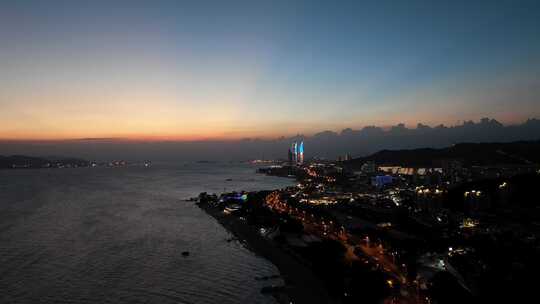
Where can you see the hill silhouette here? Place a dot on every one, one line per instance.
(470, 154)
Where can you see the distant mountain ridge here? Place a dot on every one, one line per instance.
(470, 154)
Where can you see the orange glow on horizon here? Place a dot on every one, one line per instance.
(134, 138)
(264, 132)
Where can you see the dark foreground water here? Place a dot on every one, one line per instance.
(106, 235)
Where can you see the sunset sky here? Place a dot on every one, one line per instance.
(233, 69)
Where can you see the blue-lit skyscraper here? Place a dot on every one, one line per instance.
(300, 159)
(296, 153)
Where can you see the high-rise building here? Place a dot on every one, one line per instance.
(295, 152)
(301, 153)
(290, 157)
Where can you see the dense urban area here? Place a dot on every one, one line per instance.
(454, 225)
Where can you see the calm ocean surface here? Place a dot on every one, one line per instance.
(115, 235)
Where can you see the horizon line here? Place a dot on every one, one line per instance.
(195, 138)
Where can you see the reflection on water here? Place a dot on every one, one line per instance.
(116, 235)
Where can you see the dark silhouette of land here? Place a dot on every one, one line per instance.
(29, 162)
(470, 154)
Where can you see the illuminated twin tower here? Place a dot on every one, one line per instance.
(296, 153)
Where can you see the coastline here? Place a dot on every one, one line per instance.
(301, 284)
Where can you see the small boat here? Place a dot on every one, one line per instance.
(185, 253)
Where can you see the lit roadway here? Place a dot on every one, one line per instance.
(330, 230)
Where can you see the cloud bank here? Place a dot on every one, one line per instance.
(325, 144)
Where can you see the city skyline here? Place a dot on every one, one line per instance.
(189, 72)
